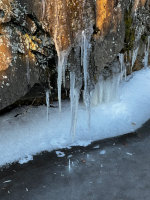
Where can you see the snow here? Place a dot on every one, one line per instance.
(60, 154)
(130, 154)
(25, 159)
(102, 152)
(96, 147)
(29, 133)
(7, 181)
(74, 99)
(47, 102)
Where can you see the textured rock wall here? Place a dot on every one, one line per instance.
(29, 29)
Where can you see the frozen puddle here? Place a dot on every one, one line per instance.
(30, 132)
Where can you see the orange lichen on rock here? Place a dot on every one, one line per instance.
(102, 13)
(108, 15)
(5, 53)
(5, 7)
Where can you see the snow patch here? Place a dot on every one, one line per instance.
(102, 152)
(60, 154)
(25, 159)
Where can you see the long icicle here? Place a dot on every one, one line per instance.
(74, 98)
(28, 68)
(47, 102)
(62, 60)
(146, 57)
(134, 56)
(123, 70)
(85, 62)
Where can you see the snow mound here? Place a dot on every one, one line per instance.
(30, 132)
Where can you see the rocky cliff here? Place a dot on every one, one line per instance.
(35, 35)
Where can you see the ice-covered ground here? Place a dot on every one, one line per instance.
(30, 133)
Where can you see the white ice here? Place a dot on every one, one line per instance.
(29, 133)
(102, 152)
(134, 56)
(106, 91)
(74, 99)
(25, 159)
(60, 154)
(122, 66)
(62, 61)
(47, 102)
(28, 68)
(146, 57)
(85, 48)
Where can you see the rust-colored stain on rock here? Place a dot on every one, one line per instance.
(65, 19)
(5, 53)
(108, 15)
(5, 7)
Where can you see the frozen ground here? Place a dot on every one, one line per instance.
(26, 132)
(114, 169)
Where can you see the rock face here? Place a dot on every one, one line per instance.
(34, 32)
(24, 50)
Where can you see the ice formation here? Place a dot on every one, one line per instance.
(134, 57)
(123, 70)
(69, 166)
(85, 60)
(28, 68)
(85, 56)
(33, 134)
(146, 57)
(74, 99)
(47, 102)
(62, 61)
(106, 90)
(62, 57)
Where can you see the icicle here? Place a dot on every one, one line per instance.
(106, 90)
(121, 59)
(134, 56)
(122, 67)
(69, 166)
(47, 102)
(62, 61)
(74, 99)
(146, 57)
(82, 48)
(28, 68)
(85, 46)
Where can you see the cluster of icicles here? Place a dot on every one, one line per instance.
(105, 90)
